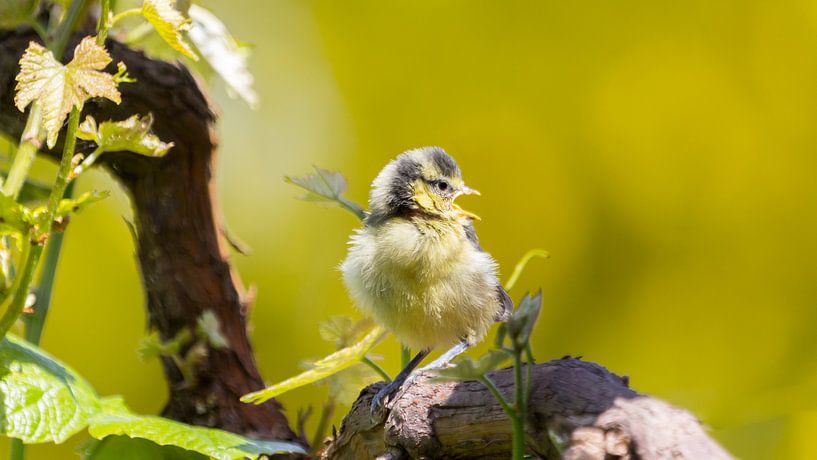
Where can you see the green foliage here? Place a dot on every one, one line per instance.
(326, 187)
(222, 53)
(58, 88)
(321, 369)
(15, 219)
(169, 23)
(468, 369)
(42, 399)
(117, 419)
(46, 401)
(132, 135)
(520, 324)
(125, 448)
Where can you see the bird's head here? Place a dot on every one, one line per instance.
(423, 181)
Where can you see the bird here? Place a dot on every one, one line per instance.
(416, 266)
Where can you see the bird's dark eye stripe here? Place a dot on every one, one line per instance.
(440, 184)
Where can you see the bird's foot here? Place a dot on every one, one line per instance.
(381, 398)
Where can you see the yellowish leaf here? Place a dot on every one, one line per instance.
(321, 369)
(58, 88)
(169, 23)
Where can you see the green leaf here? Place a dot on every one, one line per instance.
(45, 401)
(132, 135)
(42, 399)
(72, 205)
(324, 185)
(323, 368)
(520, 266)
(67, 207)
(222, 53)
(342, 330)
(116, 419)
(58, 88)
(521, 322)
(169, 23)
(209, 327)
(15, 219)
(468, 369)
(125, 448)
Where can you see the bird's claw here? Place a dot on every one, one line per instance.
(378, 401)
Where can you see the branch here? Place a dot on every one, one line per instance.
(183, 258)
(576, 407)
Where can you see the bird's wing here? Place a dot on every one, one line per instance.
(505, 302)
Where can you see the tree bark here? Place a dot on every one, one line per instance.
(578, 411)
(183, 259)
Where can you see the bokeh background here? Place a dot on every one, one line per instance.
(663, 152)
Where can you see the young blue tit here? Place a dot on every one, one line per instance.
(416, 266)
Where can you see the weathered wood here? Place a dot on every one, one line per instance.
(590, 412)
(183, 259)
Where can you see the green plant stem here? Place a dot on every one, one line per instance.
(35, 250)
(131, 12)
(529, 362)
(104, 22)
(521, 407)
(63, 33)
(30, 142)
(517, 422)
(354, 208)
(498, 395)
(367, 361)
(61, 183)
(17, 449)
(23, 281)
(34, 322)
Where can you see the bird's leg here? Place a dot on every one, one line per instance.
(398, 381)
(446, 357)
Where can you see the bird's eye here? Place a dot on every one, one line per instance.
(442, 185)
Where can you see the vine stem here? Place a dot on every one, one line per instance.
(498, 395)
(368, 361)
(30, 142)
(35, 250)
(521, 408)
(131, 12)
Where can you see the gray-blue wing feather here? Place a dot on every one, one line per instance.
(503, 299)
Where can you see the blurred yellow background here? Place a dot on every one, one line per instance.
(663, 152)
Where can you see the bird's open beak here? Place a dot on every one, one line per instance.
(465, 190)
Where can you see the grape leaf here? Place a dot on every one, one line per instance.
(468, 369)
(42, 399)
(169, 23)
(116, 419)
(132, 135)
(58, 88)
(14, 217)
(125, 448)
(321, 369)
(324, 185)
(222, 53)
